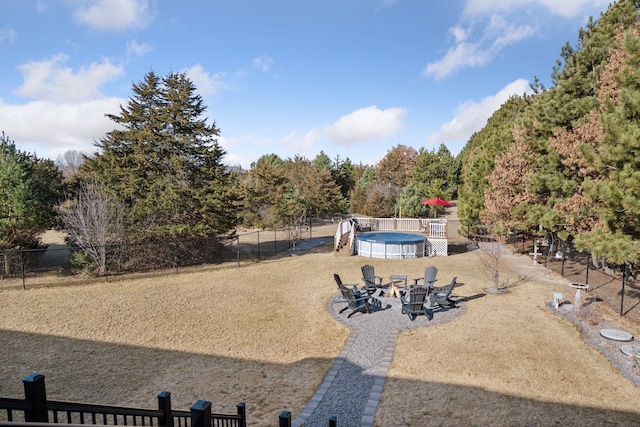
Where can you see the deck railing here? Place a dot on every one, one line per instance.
(36, 408)
(432, 227)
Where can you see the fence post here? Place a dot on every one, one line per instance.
(333, 421)
(22, 267)
(586, 277)
(564, 255)
(258, 245)
(285, 419)
(624, 273)
(238, 249)
(164, 405)
(242, 413)
(35, 393)
(275, 242)
(201, 414)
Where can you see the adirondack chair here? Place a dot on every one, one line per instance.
(338, 280)
(414, 305)
(429, 278)
(371, 281)
(442, 295)
(357, 302)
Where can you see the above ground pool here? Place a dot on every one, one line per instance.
(392, 245)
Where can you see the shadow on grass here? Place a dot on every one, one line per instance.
(125, 375)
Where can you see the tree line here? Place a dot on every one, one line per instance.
(565, 160)
(160, 175)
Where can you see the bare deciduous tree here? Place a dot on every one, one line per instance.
(69, 163)
(490, 256)
(94, 222)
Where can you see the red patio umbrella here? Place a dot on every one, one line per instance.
(436, 201)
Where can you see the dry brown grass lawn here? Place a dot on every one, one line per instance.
(261, 334)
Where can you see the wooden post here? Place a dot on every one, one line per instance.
(242, 412)
(164, 405)
(285, 419)
(201, 414)
(35, 393)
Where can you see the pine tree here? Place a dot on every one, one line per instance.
(31, 189)
(165, 163)
(478, 157)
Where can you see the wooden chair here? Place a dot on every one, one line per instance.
(357, 302)
(371, 281)
(429, 278)
(414, 305)
(336, 277)
(442, 295)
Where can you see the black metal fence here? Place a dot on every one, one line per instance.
(36, 408)
(41, 266)
(616, 285)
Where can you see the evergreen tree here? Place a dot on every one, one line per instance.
(264, 188)
(396, 166)
(344, 174)
(478, 157)
(31, 189)
(165, 163)
(436, 173)
(409, 202)
(322, 161)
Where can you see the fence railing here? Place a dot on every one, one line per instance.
(432, 227)
(36, 408)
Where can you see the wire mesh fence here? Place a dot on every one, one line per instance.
(615, 285)
(56, 263)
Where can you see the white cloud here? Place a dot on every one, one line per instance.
(207, 84)
(366, 124)
(497, 35)
(114, 15)
(472, 116)
(488, 26)
(564, 8)
(49, 80)
(52, 128)
(134, 49)
(459, 34)
(7, 34)
(300, 142)
(263, 62)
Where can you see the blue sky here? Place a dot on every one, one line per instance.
(353, 78)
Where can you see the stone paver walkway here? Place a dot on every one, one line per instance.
(352, 388)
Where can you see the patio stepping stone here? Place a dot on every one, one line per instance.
(616, 335)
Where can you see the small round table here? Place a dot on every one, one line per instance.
(578, 286)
